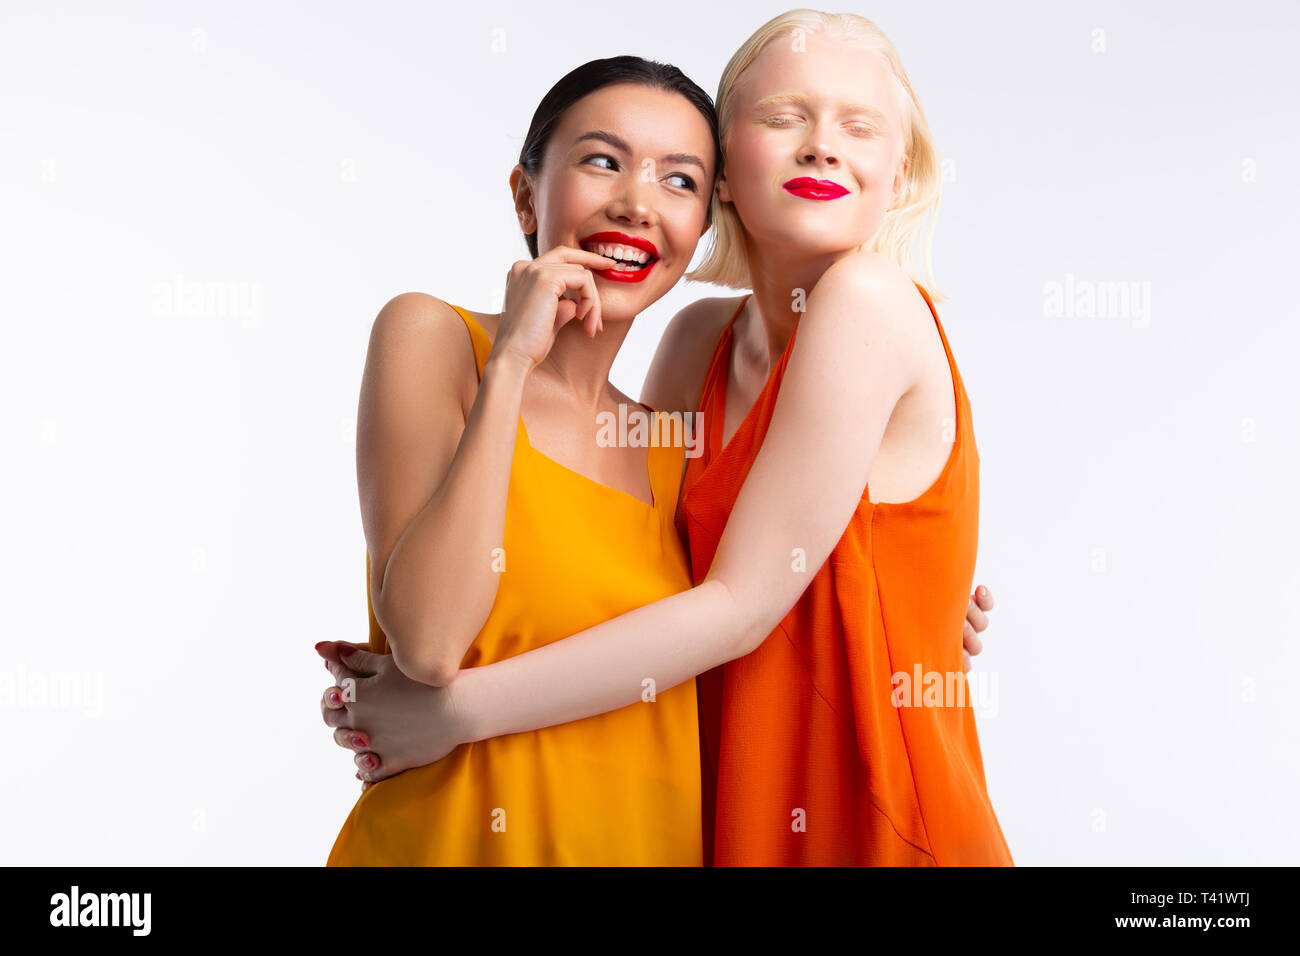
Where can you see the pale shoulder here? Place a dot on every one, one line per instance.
(872, 295)
(875, 278)
(420, 335)
(681, 361)
(866, 305)
(694, 330)
(416, 314)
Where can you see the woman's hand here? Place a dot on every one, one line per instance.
(976, 621)
(543, 294)
(391, 723)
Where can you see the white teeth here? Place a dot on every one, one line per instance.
(630, 253)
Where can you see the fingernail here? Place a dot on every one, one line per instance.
(369, 762)
(334, 698)
(321, 644)
(358, 743)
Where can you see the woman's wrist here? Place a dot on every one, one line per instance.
(506, 366)
(467, 727)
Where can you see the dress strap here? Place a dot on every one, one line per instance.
(478, 336)
(717, 367)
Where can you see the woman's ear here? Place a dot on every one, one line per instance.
(724, 191)
(900, 182)
(522, 190)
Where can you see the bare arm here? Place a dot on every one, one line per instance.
(854, 357)
(432, 482)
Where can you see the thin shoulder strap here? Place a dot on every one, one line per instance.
(478, 336)
(739, 309)
(719, 349)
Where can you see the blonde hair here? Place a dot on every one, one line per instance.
(918, 205)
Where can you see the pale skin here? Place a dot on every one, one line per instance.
(866, 390)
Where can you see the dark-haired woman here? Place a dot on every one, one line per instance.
(495, 523)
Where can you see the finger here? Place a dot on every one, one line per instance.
(590, 297)
(361, 661)
(966, 659)
(976, 617)
(342, 717)
(594, 294)
(984, 598)
(330, 649)
(340, 672)
(577, 256)
(585, 306)
(576, 283)
(332, 699)
(970, 640)
(350, 739)
(332, 709)
(367, 763)
(565, 312)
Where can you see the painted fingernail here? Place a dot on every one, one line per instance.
(358, 742)
(321, 644)
(334, 698)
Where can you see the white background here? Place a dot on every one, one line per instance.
(180, 513)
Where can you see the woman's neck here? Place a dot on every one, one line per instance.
(580, 365)
(782, 283)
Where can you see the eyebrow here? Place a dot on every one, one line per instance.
(619, 143)
(798, 99)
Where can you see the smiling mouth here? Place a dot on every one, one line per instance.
(634, 257)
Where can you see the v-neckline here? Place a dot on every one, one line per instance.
(651, 505)
(719, 446)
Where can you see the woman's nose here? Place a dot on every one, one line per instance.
(819, 153)
(635, 203)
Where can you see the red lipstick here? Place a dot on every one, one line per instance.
(622, 239)
(807, 188)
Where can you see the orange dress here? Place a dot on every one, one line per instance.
(805, 757)
(616, 789)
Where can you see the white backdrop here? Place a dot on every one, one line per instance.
(204, 205)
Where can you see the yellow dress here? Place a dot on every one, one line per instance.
(620, 788)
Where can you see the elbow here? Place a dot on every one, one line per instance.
(429, 667)
(750, 615)
(421, 654)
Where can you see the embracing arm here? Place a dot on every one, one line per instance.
(432, 482)
(854, 358)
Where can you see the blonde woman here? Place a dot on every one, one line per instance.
(832, 519)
